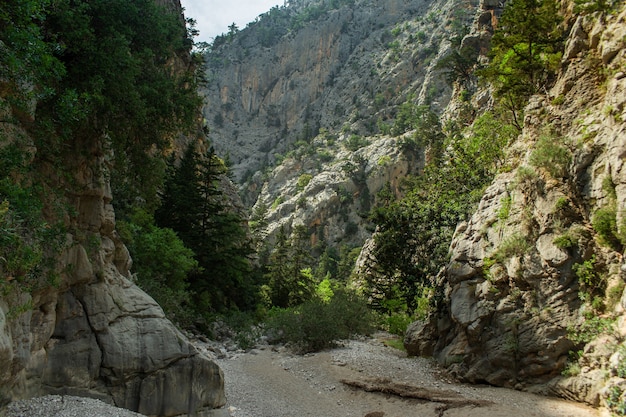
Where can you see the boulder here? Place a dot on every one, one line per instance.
(420, 337)
(112, 341)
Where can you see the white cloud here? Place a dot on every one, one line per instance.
(214, 16)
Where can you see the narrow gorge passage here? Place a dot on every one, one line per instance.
(271, 382)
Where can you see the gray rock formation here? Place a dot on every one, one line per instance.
(326, 74)
(98, 334)
(515, 292)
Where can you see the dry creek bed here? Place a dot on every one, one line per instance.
(366, 378)
(362, 378)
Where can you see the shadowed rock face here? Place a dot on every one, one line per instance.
(96, 334)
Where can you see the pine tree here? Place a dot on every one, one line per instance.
(193, 205)
(289, 278)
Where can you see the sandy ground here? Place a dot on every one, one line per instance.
(270, 382)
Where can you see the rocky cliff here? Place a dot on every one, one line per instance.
(303, 110)
(535, 281)
(90, 331)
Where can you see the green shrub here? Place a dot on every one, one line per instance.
(324, 290)
(615, 400)
(552, 156)
(356, 142)
(325, 155)
(565, 241)
(604, 222)
(571, 369)
(244, 327)
(303, 181)
(525, 174)
(317, 324)
(562, 203)
(591, 328)
(515, 245)
(383, 161)
(277, 202)
(397, 323)
(615, 294)
(591, 6)
(505, 207)
(28, 243)
(586, 272)
(395, 343)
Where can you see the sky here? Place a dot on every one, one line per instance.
(214, 16)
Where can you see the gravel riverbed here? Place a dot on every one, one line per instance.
(273, 382)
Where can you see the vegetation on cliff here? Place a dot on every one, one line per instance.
(82, 78)
(86, 81)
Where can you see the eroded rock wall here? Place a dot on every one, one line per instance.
(97, 334)
(515, 296)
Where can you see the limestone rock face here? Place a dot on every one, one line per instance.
(335, 198)
(94, 333)
(99, 335)
(273, 84)
(513, 293)
(304, 112)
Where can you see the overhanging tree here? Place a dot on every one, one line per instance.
(525, 51)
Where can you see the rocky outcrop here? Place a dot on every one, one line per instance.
(332, 202)
(97, 334)
(517, 298)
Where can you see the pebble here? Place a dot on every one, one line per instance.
(64, 406)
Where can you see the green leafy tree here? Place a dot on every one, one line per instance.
(525, 51)
(424, 122)
(162, 264)
(459, 65)
(414, 232)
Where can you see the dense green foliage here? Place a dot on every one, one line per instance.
(98, 69)
(526, 49)
(317, 324)
(414, 233)
(193, 205)
(289, 278)
(161, 263)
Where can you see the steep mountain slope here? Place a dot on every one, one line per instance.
(304, 109)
